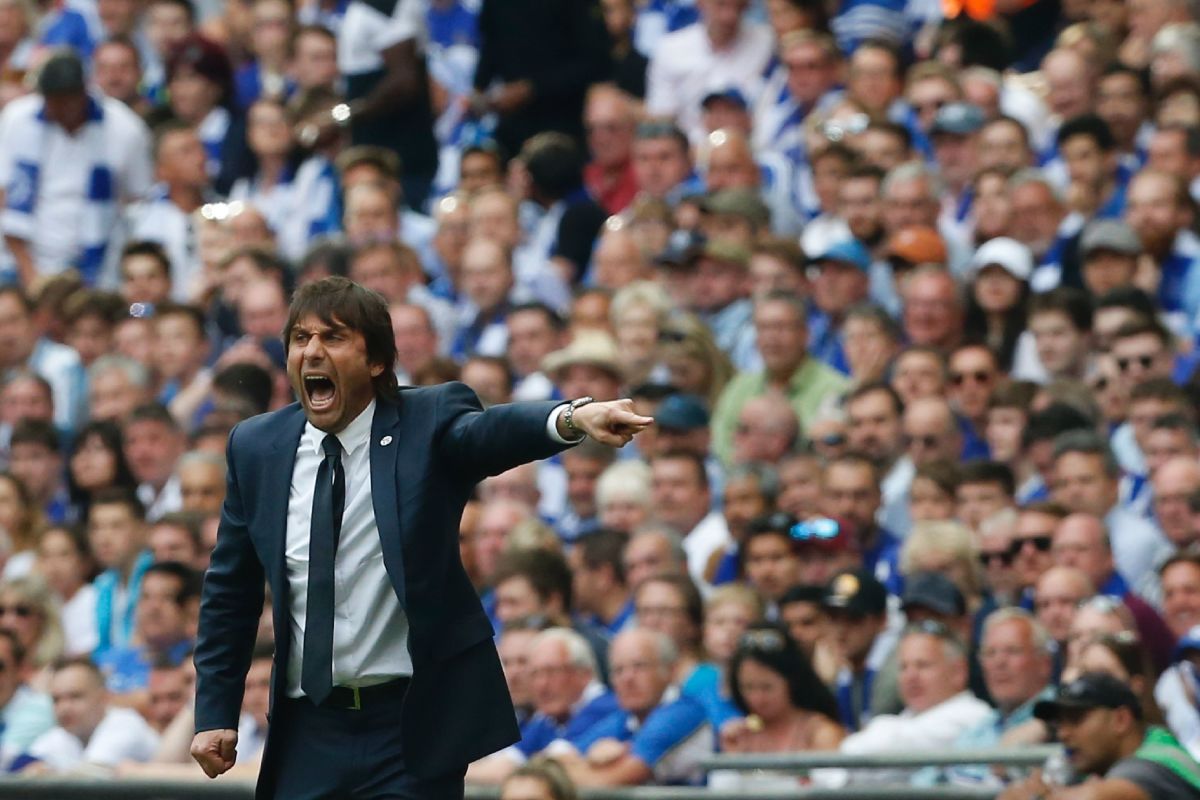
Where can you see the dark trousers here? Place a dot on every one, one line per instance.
(343, 754)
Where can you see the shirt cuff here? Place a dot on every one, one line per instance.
(552, 427)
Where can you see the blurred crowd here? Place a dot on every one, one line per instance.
(911, 290)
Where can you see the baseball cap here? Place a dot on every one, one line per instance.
(681, 412)
(847, 251)
(738, 202)
(1090, 690)
(729, 93)
(61, 74)
(824, 533)
(1014, 257)
(857, 592)
(934, 591)
(1109, 234)
(957, 118)
(918, 244)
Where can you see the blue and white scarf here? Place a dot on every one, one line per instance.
(100, 210)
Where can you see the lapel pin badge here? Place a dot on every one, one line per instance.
(385, 441)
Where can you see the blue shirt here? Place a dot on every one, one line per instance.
(664, 731)
(703, 686)
(127, 669)
(541, 730)
(882, 559)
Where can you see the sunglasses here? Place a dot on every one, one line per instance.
(1145, 362)
(820, 528)
(1040, 543)
(959, 378)
(19, 610)
(932, 627)
(766, 640)
(1005, 557)
(672, 337)
(929, 441)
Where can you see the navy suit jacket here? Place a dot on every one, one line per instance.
(441, 444)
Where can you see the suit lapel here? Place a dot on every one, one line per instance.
(278, 479)
(385, 447)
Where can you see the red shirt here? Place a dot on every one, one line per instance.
(612, 191)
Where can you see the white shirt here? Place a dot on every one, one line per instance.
(79, 622)
(167, 224)
(1138, 546)
(164, 501)
(685, 67)
(66, 170)
(121, 736)
(709, 536)
(367, 32)
(370, 629)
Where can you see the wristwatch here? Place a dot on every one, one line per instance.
(569, 415)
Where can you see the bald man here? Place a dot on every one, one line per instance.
(610, 117)
(618, 261)
(1058, 594)
(931, 431)
(732, 163)
(767, 430)
(1174, 484)
(933, 310)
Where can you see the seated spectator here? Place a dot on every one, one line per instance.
(984, 487)
(568, 698)
(937, 706)
(90, 732)
(1101, 722)
(30, 611)
(166, 607)
(599, 589)
(655, 735)
(36, 460)
(168, 691)
(728, 612)
(856, 606)
(770, 559)
(933, 495)
(785, 706)
(683, 501)
(25, 713)
(116, 531)
(66, 563)
(1015, 654)
(1057, 596)
(513, 648)
(670, 603)
(1180, 579)
(176, 537)
(653, 551)
(201, 479)
(623, 496)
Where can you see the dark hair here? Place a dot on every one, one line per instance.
(982, 44)
(109, 435)
(871, 387)
(119, 496)
(554, 163)
(192, 313)
(975, 325)
(693, 601)
(1004, 119)
(160, 133)
(892, 129)
(603, 547)
(188, 521)
(35, 432)
(769, 645)
(1129, 297)
(546, 571)
(153, 412)
(552, 317)
(189, 579)
(803, 593)
(109, 307)
(981, 470)
(248, 382)
(186, 5)
(1052, 420)
(1176, 422)
(496, 362)
(943, 474)
(1143, 326)
(683, 455)
(78, 538)
(1013, 394)
(1090, 125)
(1076, 304)
(340, 300)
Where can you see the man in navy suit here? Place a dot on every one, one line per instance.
(386, 681)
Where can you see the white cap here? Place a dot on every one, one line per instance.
(1014, 257)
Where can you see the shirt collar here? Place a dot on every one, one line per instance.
(352, 437)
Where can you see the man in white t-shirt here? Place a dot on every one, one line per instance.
(89, 732)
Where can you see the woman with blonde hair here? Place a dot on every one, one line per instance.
(695, 363)
(30, 610)
(948, 548)
(728, 612)
(20, 520)
(638, 312)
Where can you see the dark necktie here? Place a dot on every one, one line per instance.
(329, 499)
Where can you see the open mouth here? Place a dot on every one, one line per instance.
(321, 391)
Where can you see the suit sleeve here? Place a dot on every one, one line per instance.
(230, 606)
(481, 443)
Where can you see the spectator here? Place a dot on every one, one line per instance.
(66, 563)
(937, 707)
(781, 335)
(1180, 579)
(36, 461)
(22, 346)
(154, 441)
(664, 738)
(1174, 482)
(1057, 597)
(45, 230)
(116, 531)
(623, 496)
(25, 712)
(671, 604)
(568, 698)
(770, 561)
(851, 492)
(601, 595)
(540, 779)
(90, 731)
(1100, 719)
(31, 612)
(856, 603)
(683, 501)
(652, 552)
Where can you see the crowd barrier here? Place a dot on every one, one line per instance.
(61, 789)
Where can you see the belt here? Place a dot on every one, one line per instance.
(355, 698)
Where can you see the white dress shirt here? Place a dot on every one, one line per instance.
(370, 629)
(121, 736)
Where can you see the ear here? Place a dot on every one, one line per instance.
(376, 370)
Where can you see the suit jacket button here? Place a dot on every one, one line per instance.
(385, 441)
